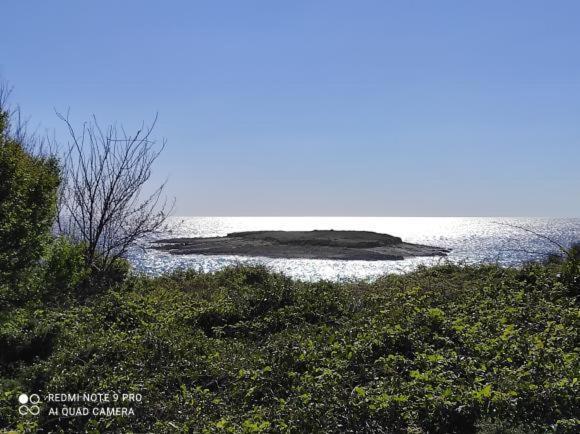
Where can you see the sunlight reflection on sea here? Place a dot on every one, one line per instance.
(472, 240)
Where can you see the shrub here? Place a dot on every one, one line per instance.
(64, 269)
(67, 276)
(110, 274)
(447, 349)
(25, 336)
(28, 191)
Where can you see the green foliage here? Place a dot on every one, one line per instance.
(447, 349)
(26, 336)
(28, 191)
(569, 261)
(66, 275)
(571, 270)
(103, 276)
(64, 270)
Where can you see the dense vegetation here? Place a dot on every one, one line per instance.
(28, 186)
(447, 349)
(452, 349)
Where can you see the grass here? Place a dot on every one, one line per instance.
(445, 349)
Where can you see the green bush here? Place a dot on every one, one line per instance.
(66, 276)
(25, 336)
(442, 350)
(64, 270)
(100, 280)
(28, 190)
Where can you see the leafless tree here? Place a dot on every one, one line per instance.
(102, 201)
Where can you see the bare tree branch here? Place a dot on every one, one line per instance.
(537, 234)
(102, 202)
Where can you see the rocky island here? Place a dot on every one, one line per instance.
(318, 244)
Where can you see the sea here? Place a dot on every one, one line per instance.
(472, 240)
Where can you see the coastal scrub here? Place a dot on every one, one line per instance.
(445, 349)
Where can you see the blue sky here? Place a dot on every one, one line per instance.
(394, 108)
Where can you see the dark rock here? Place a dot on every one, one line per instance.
(319, 244)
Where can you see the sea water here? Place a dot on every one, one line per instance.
(506, 241)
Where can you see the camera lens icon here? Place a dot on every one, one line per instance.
(29, 404)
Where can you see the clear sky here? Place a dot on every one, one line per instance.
(305, 107)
